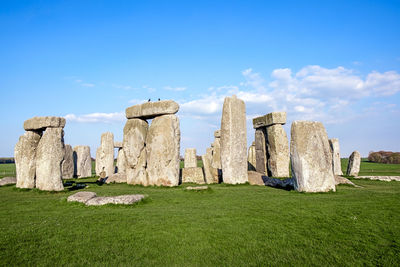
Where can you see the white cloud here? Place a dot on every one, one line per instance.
(176, 89)
(383, 84)
(97, 117)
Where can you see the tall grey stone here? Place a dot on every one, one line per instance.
(335, 149)
(354, 164)
(49, 156)
(251, 157)
(82, 161)
(150, 110)
(67, 166)
(25, 159)
(216, 152)
(311, 158)
(234, 141)
(261, 150)
(105, 154)
(162, 146)
(121, 162)
(134, 149)
(190, 158)
(277, 151)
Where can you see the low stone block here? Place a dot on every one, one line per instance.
(197, 188)
(193, 175)
(116, 178)
(150, 110)
(123, 199)
(8, 180)
(82, 197)
(269, 119)
(40, 123)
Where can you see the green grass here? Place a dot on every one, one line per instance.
(227, 225)
(374, 169)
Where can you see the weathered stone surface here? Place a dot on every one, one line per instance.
(380, 178)
(217, 134)
(105, 154)
(278, 151)
(135, 134)
(150, 110)
(209, 177)
(67, 166)
(234, 141)
(116, 178)
(343, 180)
(49, 156)
(216, 154)
(311, 158)
(117, 144)
(25, 159)
(251, 157)
(190, 158)
(123, 199)
(354, 164)
(256, 178)
(193, 175)
(197, 188)
(162, 146)
(82, 197)
(40, 123)
(82, 161)
(269, 119)
(335, 149)
(8, 181)
(121, 161)
(261, 150)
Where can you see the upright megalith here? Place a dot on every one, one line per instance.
(105, 154)
(251, 157)
(25, 159)
(335, 149)
(234, 141)
(82, 161)
(121, 162)
(354, 164)
(208, 175)
(260, 143)
(311, 158)
(49, 156)
(67, 166)
(190, 158)
(162, 146)
(191, 173)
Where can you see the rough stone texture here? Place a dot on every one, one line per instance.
(123, 199)
(234, 141)
(150, 110)
(135, 134)
(8, 180)
(67, 166)
(216, 154)
(269, 119)
(343, 180)
(40, 123)
(82, 161)
(197, 188)
(217, 134)
(261, 150)
(117, 144)
(82, 197)
(121, 161)
(193, 175)
(209, 177)
(162, 146)
(256, 178)
(116, 178)
(278, 151)
(190, 158)
(49, 156)
(251, 157)
(105, 154)
(354, 164)
(380, 178)
(311, 157)
(335, 149)
(25, 159)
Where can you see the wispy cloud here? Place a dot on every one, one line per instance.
(96, 117)
(176, 89)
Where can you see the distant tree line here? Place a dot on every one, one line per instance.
(384, 157)
(6, 160)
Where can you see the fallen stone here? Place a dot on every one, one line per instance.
(116, 178)
(123, 199)
(190, 158)
(117, 144)
(8, 181)
(278, 151)
(83, 161)
(353, 168)
(344, 180)
(261, 150)
(150, 110)
(82, 197)
(67, 166)
(251, 157)
(193, 175)
(197, 188)
(335, 149)
(41, 123)
(311, 158)
(121, 161)
(269, 119)
(105, 154)
(380, 178)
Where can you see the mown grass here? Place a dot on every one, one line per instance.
(368, 168)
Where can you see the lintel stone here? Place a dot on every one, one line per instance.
(150, 110)
(269, 119)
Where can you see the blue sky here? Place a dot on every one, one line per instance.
(337, 62)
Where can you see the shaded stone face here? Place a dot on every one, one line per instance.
(335, 149)
(49, 156)
(83, 161)
(261, 150)
(278, 151)
(354, 164)
(190, 158)
(41, 123)
(193, 175)
(25, 159)
(251, 157)
(269, 119)
(216, 154)
(208, 176)
(162, 146)
(151, 110)
(234, 141)
(311, 158)
(105, 154)
(67, 166)
(121, 162)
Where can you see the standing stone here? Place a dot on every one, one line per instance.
(162, 145)
(311, 158)
(190, 158)
(49, 156)
(105, 154)
(67, 166)
(134, 149)
(261, 150)
(83, 161)
(251, 157)
(278, 151)
(354, 164)
(234, 141)
(121, 162)
(208, 175)
(25, 159)
(216, 153)
(335, 149)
